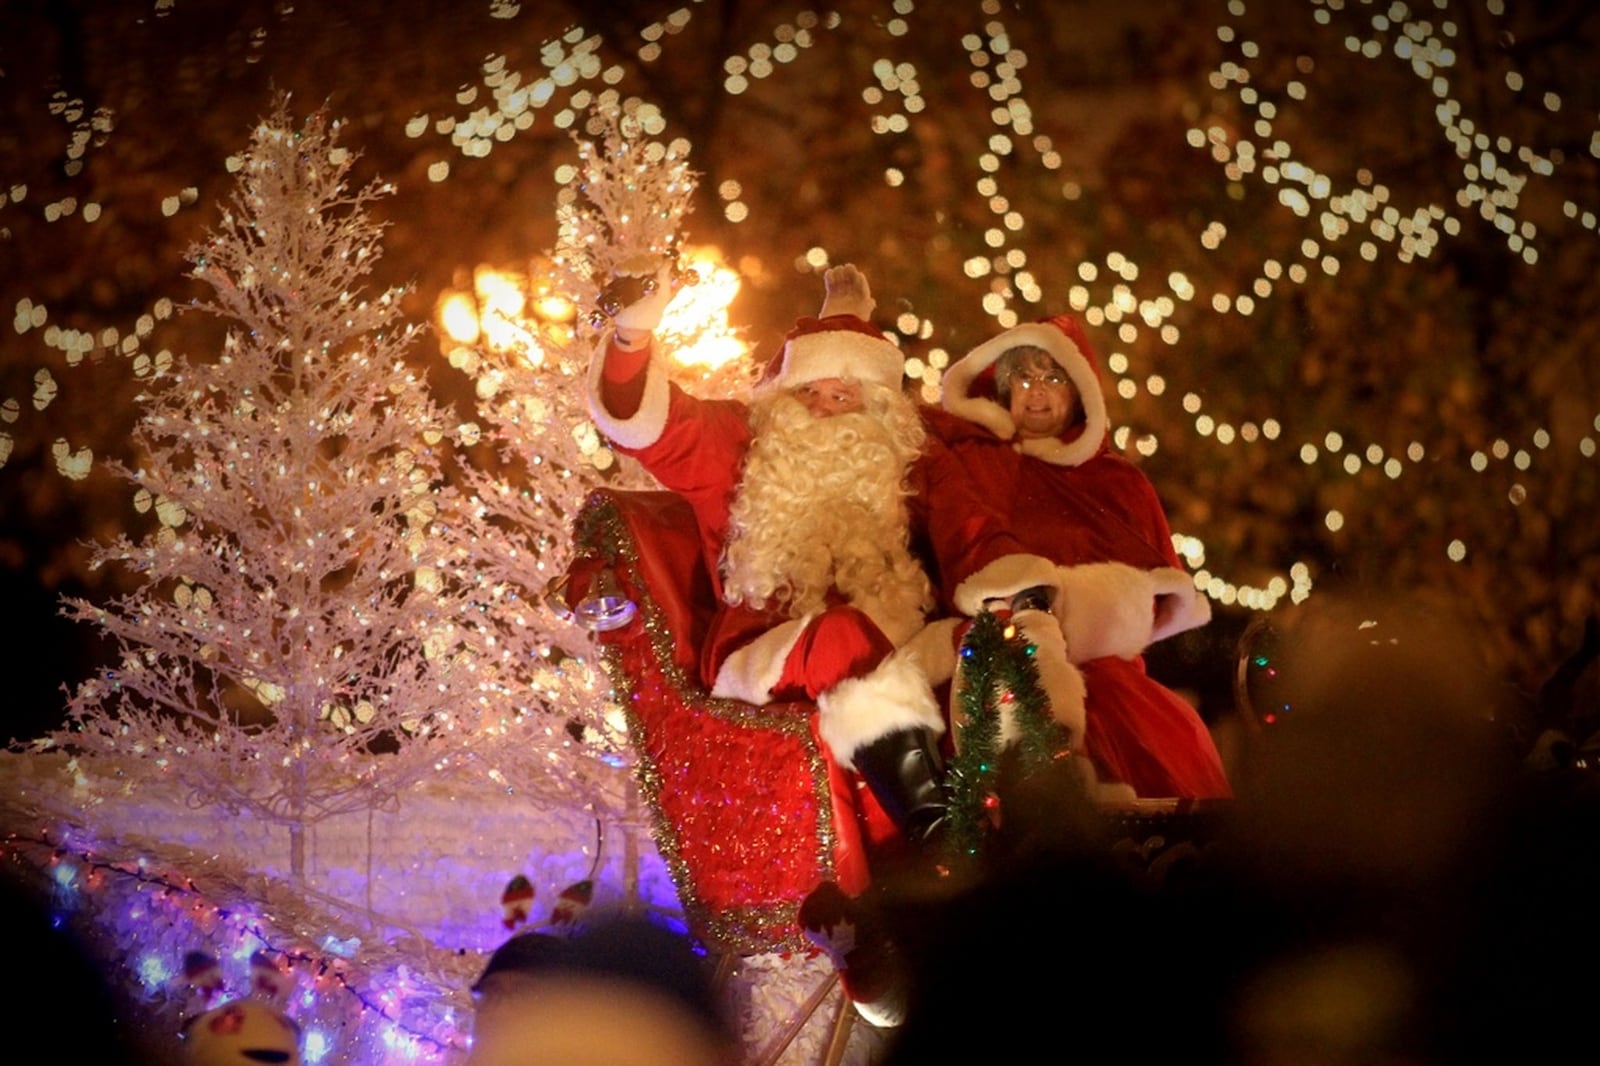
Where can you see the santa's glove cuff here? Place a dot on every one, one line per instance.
(997, 582)
(1113, 609)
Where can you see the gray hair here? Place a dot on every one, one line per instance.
(1014, 360)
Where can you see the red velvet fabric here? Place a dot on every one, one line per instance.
(1102, 509)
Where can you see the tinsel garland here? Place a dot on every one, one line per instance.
(997, 670)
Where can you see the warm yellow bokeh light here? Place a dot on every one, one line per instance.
(458, 317)
(509, 311)
(700, 313)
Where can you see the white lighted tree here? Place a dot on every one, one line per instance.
(294, 649)
(526, 344)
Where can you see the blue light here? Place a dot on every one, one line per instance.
(344, 949)
(64, 875)
(400, 1042)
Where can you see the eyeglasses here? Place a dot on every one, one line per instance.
(1054, 378)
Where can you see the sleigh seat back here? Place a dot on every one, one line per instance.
(739, 794)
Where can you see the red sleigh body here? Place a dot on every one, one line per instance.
(748, 813)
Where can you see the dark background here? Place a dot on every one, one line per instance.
(1469, 349)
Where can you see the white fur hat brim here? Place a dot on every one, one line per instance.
(844, 353)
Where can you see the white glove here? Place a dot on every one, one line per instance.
(644, 314)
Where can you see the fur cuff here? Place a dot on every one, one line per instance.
(1105, 609)
(645, 425)
(859, 710)
(1003, 578)
(749, 673)
(1179, 605)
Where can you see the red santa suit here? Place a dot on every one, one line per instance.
(1120, 585)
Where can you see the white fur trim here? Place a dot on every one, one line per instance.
(644, 427)
(1106, 793)
(1004, 578)
(1062, 683)
(749, 673)
(1105, 609)
(841, 353)
(1179, 605)
(859, 710)
(959, 398)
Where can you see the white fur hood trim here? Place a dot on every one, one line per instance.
(959, 398)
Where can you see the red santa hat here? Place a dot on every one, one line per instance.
(839, 346)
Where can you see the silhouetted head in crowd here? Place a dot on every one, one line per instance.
(1384, 762)
(622, 991)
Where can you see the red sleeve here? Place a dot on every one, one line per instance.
(1135, 497)
(961, 532)
(699, 454)
(622, 379)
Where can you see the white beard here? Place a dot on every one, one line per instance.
(821, 505)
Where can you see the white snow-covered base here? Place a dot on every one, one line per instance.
(394, 916)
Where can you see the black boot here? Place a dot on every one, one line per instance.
(905, 772)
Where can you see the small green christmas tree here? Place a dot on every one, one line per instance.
(997, 669)
(295, 649)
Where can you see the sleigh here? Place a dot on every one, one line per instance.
(742, 799)
(747, 811)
